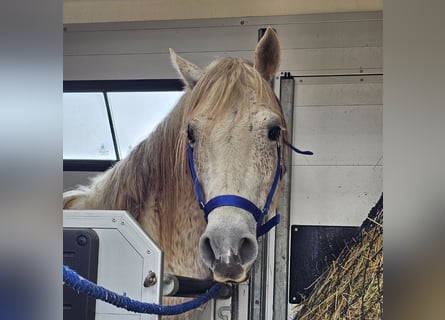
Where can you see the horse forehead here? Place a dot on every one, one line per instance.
(237, 121)
(241, 120)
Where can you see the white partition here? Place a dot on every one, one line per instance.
(126, 256)
(340, 118)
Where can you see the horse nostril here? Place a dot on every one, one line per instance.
(207, 254)
(223, 250)
(248, 249)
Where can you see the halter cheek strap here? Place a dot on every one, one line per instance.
(237, 201)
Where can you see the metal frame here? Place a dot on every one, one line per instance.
(112, 127)
(281, 253)
(122, 85)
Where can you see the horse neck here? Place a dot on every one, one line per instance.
(169, 201)
(152, 172)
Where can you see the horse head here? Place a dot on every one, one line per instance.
(233, 129)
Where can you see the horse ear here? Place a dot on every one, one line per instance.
(190, 73)
(267, 55)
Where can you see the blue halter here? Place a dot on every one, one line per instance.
(237, 201)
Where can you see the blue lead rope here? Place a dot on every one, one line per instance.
(82, 285)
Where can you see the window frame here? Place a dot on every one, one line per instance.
(104, 86)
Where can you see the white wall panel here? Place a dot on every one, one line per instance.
(339, 91)
(339, 34)
(311, 44)
(313, 61)
(85, 11)
(250, 20)
(160, 40)
(340, 118)
(157, 66)
(331, 34)
(339, 135)
(118, 67)
(133, 66)
(334, 195)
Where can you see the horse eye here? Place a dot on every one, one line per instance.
(190, 134)
(274, 133)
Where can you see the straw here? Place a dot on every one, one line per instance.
(352, 287)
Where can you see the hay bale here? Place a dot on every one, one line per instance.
(352, 287)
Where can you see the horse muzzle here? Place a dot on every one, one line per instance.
(228, 268)
(229, 251)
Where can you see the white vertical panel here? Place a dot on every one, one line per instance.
(339, 135)
(334, 195)
(340, 119)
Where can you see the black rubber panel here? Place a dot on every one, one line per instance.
(80, 253)
(313, 248)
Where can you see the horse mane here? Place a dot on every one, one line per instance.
(148, 169)
(158, 165)
(227, 81)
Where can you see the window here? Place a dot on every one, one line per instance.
(136, 114)
(104, 120)
(86, 131)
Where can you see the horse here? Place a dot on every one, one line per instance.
(222, 140)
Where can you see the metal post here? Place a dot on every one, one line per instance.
(112, 128)
(287, 88)
(258, 282)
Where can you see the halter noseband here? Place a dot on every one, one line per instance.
(237, 201)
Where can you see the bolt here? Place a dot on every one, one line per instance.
(82, 241)
(150, 279)
(114, 219)
(122, 222)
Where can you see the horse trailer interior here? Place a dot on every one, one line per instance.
(329, 83)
